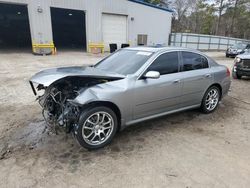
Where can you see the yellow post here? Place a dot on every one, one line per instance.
(51, 45)
(96, 45)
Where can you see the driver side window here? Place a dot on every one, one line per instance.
(166, 63)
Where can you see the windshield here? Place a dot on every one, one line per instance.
(247, 51)
(239, 46)
(124, 61)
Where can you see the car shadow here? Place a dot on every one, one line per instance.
(245, 78)
(34, 140)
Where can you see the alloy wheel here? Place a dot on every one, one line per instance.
(97, 128)
(212, 99)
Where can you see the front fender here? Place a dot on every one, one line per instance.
(85, 97)
(116, 92)
(101, 92)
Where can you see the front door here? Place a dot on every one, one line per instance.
(153, 96)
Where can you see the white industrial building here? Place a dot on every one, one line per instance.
(78, 23)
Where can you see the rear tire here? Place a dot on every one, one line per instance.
(96, 128)
(211, 100)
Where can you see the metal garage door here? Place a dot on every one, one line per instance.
(69, 30)
(14, 27)
(114, 28)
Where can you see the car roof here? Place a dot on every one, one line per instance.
(159, 49)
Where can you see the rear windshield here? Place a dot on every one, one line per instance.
(124, 61)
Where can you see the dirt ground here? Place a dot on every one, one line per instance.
(185, 150)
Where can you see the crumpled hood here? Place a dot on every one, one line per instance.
(47, 77)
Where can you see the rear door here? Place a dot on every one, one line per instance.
(196, 76)
(154, 96)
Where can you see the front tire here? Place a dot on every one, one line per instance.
(211, 100)
(96, 128)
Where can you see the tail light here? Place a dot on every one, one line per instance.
(228, 72)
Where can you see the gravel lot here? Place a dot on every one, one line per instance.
(187, 149)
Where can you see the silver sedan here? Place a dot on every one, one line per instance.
(127, 87)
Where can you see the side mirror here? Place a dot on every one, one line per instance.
(152, 75)
(242, 52)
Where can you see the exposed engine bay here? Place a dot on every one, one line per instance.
(56, 102)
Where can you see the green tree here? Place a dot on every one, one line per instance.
(204, 16)
(159, 2)
(220, 17)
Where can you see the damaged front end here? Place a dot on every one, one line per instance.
(57, 98)
(57, 108)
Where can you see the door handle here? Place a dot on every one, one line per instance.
(177, 81)
(208, 76)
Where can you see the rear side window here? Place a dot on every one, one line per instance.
(166, 63)
(193, 61)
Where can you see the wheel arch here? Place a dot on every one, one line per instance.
(216, 85)
(107, 104)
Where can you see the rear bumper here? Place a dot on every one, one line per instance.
(226, 84)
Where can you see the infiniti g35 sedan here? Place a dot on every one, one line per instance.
(127, 87)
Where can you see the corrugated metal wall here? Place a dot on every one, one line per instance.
(204, 42)
(146, 18)
(154, 23)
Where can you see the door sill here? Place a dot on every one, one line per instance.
(161, 114)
